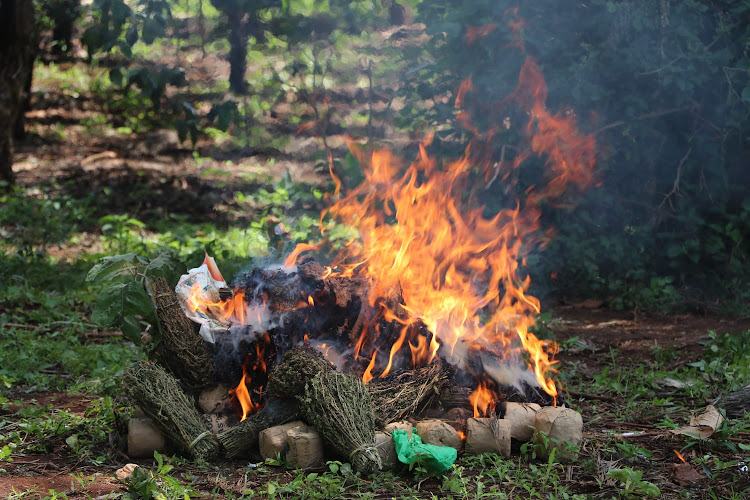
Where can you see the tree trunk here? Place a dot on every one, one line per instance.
(20, 131)
(63, 14)
(17, 37)
(237, 53)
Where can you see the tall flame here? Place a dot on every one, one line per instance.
(457, 270)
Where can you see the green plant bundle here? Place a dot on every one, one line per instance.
(339, 407)
(297, 367)
(160, 397)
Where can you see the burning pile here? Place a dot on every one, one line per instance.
(427, 309)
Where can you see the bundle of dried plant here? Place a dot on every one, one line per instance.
(181, 349)
(402, 394)
(339, 407)
(162, 399)
(297, 367)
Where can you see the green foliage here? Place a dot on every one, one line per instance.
(632, 483)
(159, 484)
(125, 300)
(30, 221)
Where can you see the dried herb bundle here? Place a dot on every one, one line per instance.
(182, 350)
(243, 437)
(297, 367)
(403, 394)
(160, 397)
(339, 407)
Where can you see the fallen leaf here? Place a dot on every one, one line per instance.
(703, 425)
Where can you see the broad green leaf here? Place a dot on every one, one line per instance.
(121, 300)
(109, 268)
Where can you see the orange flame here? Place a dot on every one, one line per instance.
(241, 393)
(482, 399)
(474, 33)
(228, 311)
(458, 271)
(368, 372)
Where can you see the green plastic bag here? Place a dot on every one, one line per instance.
(436, 459)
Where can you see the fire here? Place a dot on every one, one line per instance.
(257, 365)
(482, 400)
(454, 270)
(228, 311)
(458, 270)
(243, 396)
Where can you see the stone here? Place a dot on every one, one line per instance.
(144, 438)
(521, 417)
(439, 433)
(274, 440)
(488, 435)
(305, 448)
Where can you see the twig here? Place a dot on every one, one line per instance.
(676, 185)
(499, 164)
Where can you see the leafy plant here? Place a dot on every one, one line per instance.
(633, 484)
(159, 484)
(125, 300)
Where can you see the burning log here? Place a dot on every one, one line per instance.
(339, 407)
(243, 437)
(181, 350)
(403, 394)
(162, 399)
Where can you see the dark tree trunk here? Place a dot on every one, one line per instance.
(19, 133)
(237, 53)
(17, 44)
(63, 13)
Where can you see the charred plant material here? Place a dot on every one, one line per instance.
(339, 407)
(181, 350)
(162, 399)
(403, 394)
(242, 439)
(297, 367)
(455, 396)
(310, 302)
